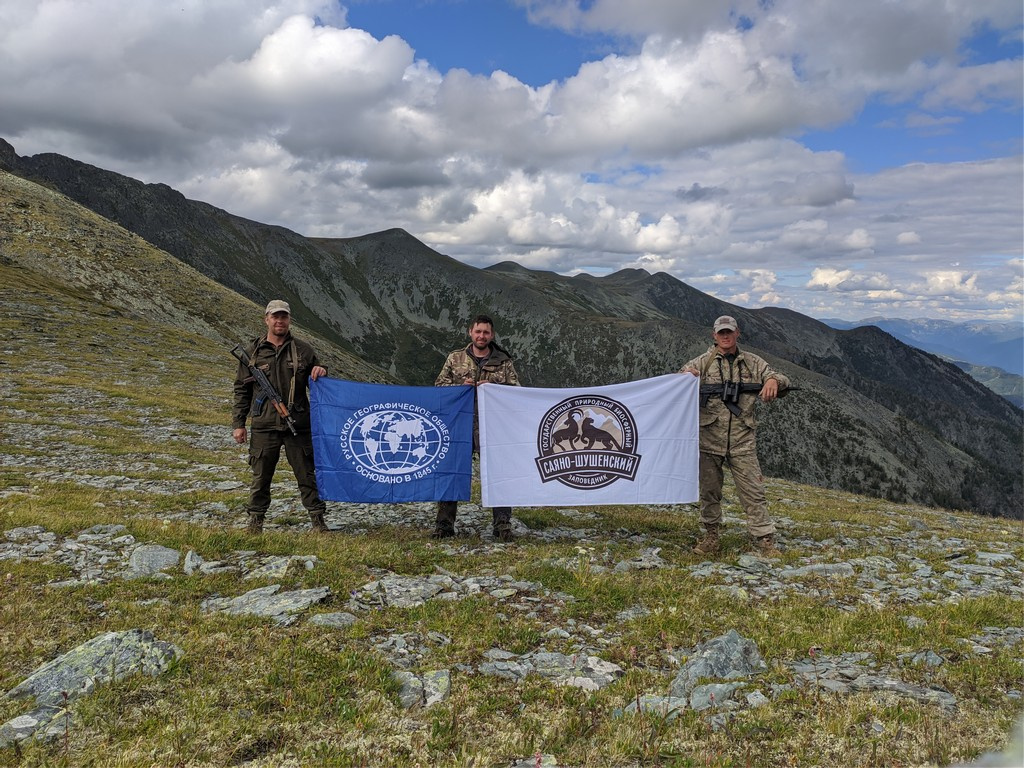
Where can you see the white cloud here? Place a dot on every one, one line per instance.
(679, 152)
(947, 283)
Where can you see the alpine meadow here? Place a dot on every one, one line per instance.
(142, 626)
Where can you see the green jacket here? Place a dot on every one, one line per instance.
(722, 433)
(293, 359)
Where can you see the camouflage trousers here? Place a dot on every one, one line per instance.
(746, 474)
(264, 453)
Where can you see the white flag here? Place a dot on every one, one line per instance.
(632, 443)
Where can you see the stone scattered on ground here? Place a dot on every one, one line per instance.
(53, 686)
(717, 678)
(270, 602)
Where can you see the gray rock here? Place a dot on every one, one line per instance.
(934, 695)
(646, 560)
(995, 558)
(712, 695)
(277, 567)
(38, 723)
(818, 569)
(754, 563)
(266, 601)
(193, 562)
(975, 570)
(634, 612)
(150, 559)
(437, 686)
(925, 658)
(726, 657)
(508, 670)
(403, 592)
(757, 699)
(25, 533)
(105, 658)
(410, 693)
(579, 671)
(339, 620)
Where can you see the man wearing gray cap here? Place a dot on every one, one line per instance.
(287, 363)
(728, 433)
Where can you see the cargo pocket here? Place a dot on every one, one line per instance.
(707, 419)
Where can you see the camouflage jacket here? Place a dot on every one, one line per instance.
(722, 433)
(461, 365)
(294, 358)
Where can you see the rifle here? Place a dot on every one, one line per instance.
(267, 391)
(730, 391)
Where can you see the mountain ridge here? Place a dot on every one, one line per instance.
(911, 426)
(993, 345)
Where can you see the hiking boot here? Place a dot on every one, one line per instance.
(765, 546)
(709, 545)
(444, 527)
(502, 523)
(317, 523)
(255, 524)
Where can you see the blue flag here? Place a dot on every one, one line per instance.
(384, 443)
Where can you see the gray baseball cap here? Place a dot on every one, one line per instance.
(726, 322)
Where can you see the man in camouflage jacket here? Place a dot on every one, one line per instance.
(727, 436)
(482, 362)
(287, 362)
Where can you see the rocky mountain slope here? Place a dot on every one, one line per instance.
(140, 625)
(873, 415)
(48, 242)
(992, 345)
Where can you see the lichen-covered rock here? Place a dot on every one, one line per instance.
(725, 657)
(105, 658)
(265, 601)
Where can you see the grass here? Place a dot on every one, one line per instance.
(250, 692)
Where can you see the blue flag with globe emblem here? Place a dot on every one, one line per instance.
(383, 443)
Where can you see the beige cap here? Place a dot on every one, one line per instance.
(278, 306)
(726, 322)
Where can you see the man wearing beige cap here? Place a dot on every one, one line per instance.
(728, 433)
(287, 362)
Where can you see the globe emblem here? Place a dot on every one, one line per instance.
(394, 442)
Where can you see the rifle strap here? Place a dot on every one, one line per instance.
(295, 371)
(740, 361)
(295, 365)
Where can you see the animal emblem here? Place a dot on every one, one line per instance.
(570, 431)
(589, 434)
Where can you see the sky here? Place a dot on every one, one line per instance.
(844, 160)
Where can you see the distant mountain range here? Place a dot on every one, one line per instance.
(991, 345)
(873, 415)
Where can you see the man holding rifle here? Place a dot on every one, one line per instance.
(270, 386)
(731, 382)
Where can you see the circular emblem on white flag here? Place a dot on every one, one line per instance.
(587, 441)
